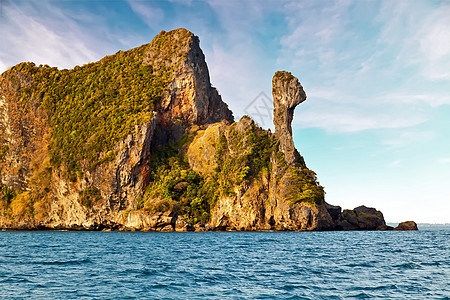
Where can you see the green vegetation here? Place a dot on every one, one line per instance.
(15, 204)
(303, 187)
(92, 107)
(90, 196)
(282, 75)
(242, 158)
(174, 186)
(3, 150)
(7, 194)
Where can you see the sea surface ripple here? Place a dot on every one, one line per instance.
(226, 265)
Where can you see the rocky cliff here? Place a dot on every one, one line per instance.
(276, 193)
(141, 141)
(47, 184)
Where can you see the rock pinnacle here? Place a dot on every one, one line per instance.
(287, 94)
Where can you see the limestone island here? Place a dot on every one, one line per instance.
(140, 140)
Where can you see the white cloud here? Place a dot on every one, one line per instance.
(57, 42)
(408, 138)
(56, 34)
(444, 160)
(345, 119)
(370, 75)
(235, 56)
(420, 31)
(434, 38)
(395, 163)
(238, 88)
(336, 111)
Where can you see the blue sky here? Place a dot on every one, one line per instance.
(375, 126)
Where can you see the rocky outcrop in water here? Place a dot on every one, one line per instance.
(407, 226)
(361, 218)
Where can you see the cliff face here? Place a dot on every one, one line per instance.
(190, 99)
(141, 141)
(37, 193)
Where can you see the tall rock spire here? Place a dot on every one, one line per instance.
(287, 94)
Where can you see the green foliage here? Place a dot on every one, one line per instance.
(284, 76)
(364, 215)
(15, 204)
(3, 150)
(303, 187)
(94, 106)
(174, 186)
(7, 194)
(243, 156)
(246, 156)
(90, 196)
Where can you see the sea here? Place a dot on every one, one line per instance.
(226, 265)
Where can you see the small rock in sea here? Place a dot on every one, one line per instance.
(385, 227)
(408, 225)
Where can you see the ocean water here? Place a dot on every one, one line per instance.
(226, 265)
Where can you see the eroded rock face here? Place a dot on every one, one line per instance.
(269, 201)
(21, 135)
(287, 94)
(190, 98)
(145, 222)
(335, 212)
(183, 226)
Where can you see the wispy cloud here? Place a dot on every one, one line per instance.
(444, 160)
(237, 55)
(337, 112)
(365, 72)
(58, 34)
(434, 39)
(150, 14)
(408, 138)
(31, 39)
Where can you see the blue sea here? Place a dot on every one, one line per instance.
(226, 265)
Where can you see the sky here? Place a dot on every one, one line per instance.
(375, 126)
